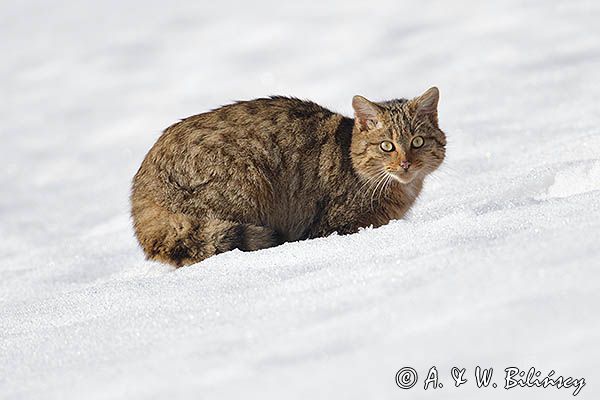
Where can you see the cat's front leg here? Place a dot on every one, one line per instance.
(342, 223)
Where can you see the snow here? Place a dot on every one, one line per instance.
(497, 265)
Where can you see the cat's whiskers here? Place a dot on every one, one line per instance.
(381, 180)
(367, 186)
(384, 187)
(366, 182)
(373, 183)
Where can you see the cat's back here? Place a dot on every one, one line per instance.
(274, 133)
(271, 147)
(275, 114)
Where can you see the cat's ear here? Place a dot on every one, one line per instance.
(366, 112)
(427, 102)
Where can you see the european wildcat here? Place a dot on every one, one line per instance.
(255, 174)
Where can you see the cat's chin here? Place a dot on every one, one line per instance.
(404, 178)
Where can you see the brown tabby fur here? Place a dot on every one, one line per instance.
(255, 174)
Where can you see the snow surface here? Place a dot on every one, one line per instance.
(497, 265)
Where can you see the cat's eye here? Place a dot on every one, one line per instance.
(417, 142)
(386, 146)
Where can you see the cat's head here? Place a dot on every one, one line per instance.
(397, 138)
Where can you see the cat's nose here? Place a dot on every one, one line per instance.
(405, 165)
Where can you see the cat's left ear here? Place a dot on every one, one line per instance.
(366, 113)
(427, 102)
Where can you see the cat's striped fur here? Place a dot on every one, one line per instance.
(255, 174)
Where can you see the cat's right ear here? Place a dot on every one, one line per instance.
(366, 113)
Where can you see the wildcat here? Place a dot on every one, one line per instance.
(255, 174)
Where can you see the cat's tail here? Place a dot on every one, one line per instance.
(179, 239)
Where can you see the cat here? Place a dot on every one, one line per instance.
(258, 173)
